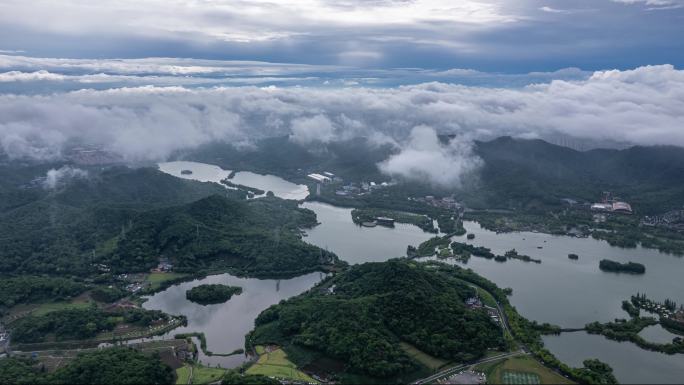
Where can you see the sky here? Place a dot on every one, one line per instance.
(147, 78)
(511, 36)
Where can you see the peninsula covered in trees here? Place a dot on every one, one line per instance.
(363, 315)
(211, 294)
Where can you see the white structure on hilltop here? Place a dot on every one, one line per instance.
(320, 178)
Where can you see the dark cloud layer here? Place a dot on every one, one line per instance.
(489, 35)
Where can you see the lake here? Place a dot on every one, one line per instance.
(209, 173)
(573, 293)
(569, 293)
(357, 244)
(630, 363)
(225, 325)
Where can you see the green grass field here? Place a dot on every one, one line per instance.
(50, 307)
(44, 308)
(205, 375)
(432, 363)
(520, 370)
(276, 364)
(519, 378)
(183, 374)
(156, 279)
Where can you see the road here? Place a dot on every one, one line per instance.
(456, 369)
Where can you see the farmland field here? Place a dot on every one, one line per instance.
(205, 375)
(183, 374)
(276, 364)
(156, 279)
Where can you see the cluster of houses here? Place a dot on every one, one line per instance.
(446, 203)
(358, 189)
(164, 266)
(668, 312)
(673, 220)
(102, 268)
(134, 282)
(476, 303)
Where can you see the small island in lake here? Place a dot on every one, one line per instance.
(211, 294)
(573, 256)
(186, 172)
(617, 267)
(470, 236)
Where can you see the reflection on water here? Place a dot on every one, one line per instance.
(355, 244)
(561, 291)
(280, 187)
(209, 173)
(631, 364)
(200, 171)
(225, 325)
(658, 334)
(573, 293)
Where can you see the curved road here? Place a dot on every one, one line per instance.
(456, 369)
(450, 371)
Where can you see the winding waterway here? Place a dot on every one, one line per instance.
(569, 293)
(209, 173)
(225, 325)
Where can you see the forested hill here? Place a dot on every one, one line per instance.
(519, 172)
(353, 159)
(67, 229)
(362, 315)
(516, 173)
(260, 236)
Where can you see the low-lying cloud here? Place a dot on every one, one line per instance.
(641, 106)
(424, 159)
(58, 177)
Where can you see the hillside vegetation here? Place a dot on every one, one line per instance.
(362, 315)
(128, 218)
(107, 366)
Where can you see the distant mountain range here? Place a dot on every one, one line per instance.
(520, 172)
(516, 173)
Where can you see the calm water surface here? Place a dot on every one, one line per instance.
(209, 173)
(658, 334)
(573, 293)
(559, 290)
(356, 244)
(630, 363)
(225, 325)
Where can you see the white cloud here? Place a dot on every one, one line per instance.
(424, 159)
(57, 177)
(314, 129)
(158, 66)
(655, 4)
(198, 72)
(552, 10)
(18, 76)
(241, 20)
(640, 106)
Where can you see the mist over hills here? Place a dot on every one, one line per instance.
(512, 173)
